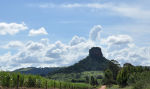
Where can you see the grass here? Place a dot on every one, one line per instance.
(117, 87)
(78, 76)
(11, 80)
(25, 69)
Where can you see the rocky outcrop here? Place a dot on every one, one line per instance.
(95, 52)
(93, 62)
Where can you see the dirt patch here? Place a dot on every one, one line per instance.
(103, 87)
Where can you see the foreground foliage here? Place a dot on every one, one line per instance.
(140, 80)
(137, 77)
(11, 80)
(117, 87)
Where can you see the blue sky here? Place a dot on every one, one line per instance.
(118, 27)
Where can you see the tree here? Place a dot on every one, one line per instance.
(31, 81)
(108, 77)
(93, 81)
(114, 66)
(127, 65)
(124, 74)
(87, 79)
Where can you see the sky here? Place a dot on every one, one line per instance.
(55, 33)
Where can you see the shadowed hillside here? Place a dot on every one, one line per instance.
(95, 61)
(37, 71)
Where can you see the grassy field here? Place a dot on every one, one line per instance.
(117, 87)
(77, 76)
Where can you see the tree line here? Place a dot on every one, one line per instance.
(128, 75)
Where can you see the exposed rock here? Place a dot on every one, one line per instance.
(95, 52)
(93, 62)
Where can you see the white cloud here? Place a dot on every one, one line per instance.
(40, 31)
(121, 9)
(76, 40)
(14, 44)
(132, 11)
(11, 28)
(95, 33)
(45, 41)
(117, 40)
(122, 49)
(44, 54)
(5, 61)
(34, 46)
(72, 5)
(133, 55)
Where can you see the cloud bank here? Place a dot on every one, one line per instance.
(45, 54)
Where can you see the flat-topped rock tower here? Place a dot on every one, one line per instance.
(95, 52)
(95, 61)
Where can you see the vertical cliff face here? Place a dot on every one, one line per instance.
(95, 52)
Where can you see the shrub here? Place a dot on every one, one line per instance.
(108, 77)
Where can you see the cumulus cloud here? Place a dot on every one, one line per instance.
(117, 40)
(5, 61)
(14, 44)
(11, 28)
(34, 46)
(44, 54)
(95, 33)
(40, 31)
(132, 55)
(122, 49)
(76, 40)
(45, 41)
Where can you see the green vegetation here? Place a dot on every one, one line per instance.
(140, 80)
(108, 79)
(128, 77)
(77, 76)
(11, 80)
(37, 71)
(89, 77)
(86, 73)
(117, 87)
(95, 61)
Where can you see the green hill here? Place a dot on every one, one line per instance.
(95, 61)
(37, 71)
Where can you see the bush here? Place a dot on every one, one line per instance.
(141, 80)
(108, 77)
(31, 81)
(5, 79)
(124, 74)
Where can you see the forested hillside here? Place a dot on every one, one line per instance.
(95, 61)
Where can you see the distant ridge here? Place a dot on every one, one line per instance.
(95, 61)
(37, 71)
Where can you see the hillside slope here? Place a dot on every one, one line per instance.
(95, 61)
(37, 71)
